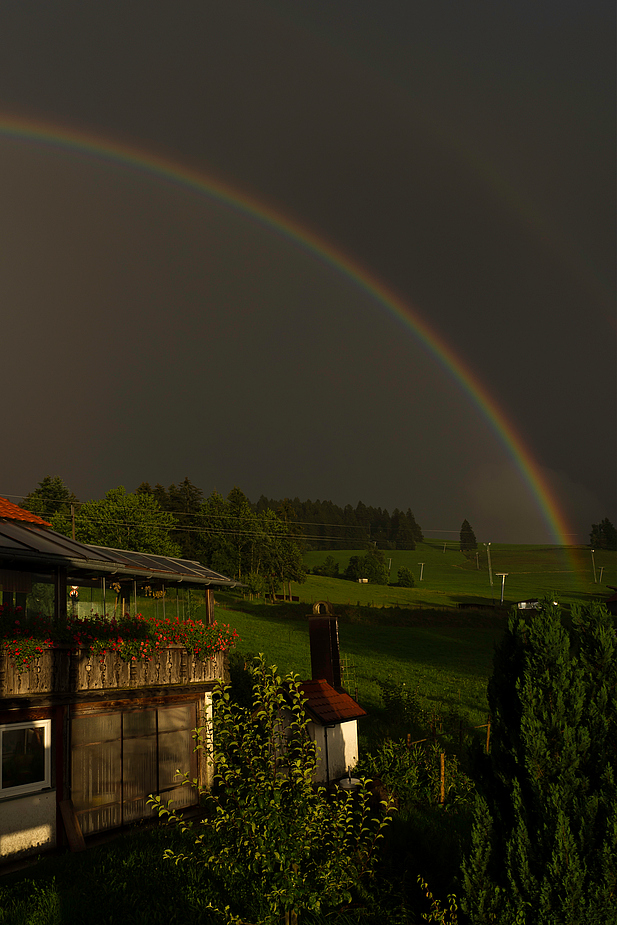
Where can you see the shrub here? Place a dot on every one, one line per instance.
(545, 833)
(279, 845)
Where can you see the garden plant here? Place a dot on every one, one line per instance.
(282, 846)
(26, 637)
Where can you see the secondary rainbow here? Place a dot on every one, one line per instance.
(163, 168)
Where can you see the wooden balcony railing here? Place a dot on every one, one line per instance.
(60, 670)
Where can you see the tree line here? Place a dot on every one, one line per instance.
(227, 534)
(260, 544)
(325, 525)
(314, 524)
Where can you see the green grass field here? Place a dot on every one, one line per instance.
(448, 660)
(451, 578)
(444, 653)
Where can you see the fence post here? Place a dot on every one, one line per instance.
(442, 761)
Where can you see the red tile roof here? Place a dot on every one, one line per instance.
(327, 705)
(10, 511)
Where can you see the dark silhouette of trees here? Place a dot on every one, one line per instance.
(371, 566)
(468, 538)
(52, 501)
(603, 535)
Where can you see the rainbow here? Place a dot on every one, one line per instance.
(163, 168)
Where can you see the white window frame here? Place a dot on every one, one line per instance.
(37, 785)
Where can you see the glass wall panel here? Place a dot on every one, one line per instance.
(139, 724)
(96, 776)
(139, 767)
(102, 727)
(175, 753)
(119, 759)
(180, 797)
(99, 820)
(177, 717)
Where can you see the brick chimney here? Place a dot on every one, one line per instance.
(323, 637)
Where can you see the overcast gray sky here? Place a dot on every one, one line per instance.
(462, 154)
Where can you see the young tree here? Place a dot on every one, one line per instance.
(329, 568)
(468, 538)
(405, 577)
(603, 535)
(545, 833)
(52, 501)
(278, 845)
(371, 566)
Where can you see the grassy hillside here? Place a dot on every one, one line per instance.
(447, 658)
(444, 653)
(451, 578)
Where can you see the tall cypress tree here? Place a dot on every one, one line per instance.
(545, 834)
(468, 537)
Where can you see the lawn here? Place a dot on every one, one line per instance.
(450, 578)
(125, 880)
(446, 657)
(444, 653)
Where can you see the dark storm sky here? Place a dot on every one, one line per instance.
(462, 153)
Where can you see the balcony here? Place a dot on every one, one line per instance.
(63, 670)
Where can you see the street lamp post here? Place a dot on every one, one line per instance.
(490, 568)
(503, 576)
(593, 562)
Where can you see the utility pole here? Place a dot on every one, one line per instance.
(490, 568)
(593, 562)
(503, 576)
(421, 564)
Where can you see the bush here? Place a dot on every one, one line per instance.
(545, 833)
(328, 569)
(371, 566)
(278, 845)
(405, 577)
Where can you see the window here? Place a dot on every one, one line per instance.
(119, 759)
(26, 757)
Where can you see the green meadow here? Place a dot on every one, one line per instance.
(419, 636)
(451, 578)
(447, 661)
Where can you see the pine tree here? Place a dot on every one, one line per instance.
(468, 537)
(52, 501)
(545, 835)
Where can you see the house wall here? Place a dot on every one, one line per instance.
(27, 825)
(342, 749)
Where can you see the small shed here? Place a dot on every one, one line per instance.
(333, 712)
(334, 728)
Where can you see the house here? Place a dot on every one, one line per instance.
(333, 712)
(84, 739)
